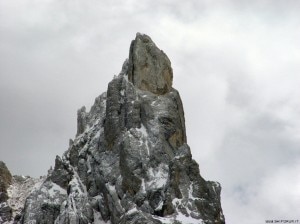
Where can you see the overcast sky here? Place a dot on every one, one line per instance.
(236, 65)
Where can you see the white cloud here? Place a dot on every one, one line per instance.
(276, 197)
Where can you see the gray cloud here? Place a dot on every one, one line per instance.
(236, 65)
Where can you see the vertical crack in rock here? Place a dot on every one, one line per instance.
(129, 162)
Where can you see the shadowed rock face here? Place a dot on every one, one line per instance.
(130, 162)
(149, 67)
(5, 177)
(5, 181)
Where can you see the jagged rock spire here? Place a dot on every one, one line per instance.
(149, 67)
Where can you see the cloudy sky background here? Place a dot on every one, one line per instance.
(236, 65)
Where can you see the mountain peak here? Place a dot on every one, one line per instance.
(129, 162)
(149, 67)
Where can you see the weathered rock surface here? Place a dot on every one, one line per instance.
(18, 192)
(149, 67)
(129, 162)
(13, 192)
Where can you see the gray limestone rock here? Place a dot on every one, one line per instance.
(129, 162)
(81, 120)
(5, 212)
(61, 175)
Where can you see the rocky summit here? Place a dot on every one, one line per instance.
(129, 162)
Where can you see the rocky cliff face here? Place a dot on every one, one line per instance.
(129, 162)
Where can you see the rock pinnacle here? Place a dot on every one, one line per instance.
(149, 67)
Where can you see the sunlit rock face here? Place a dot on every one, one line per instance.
(149, 67)
(130, 161)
